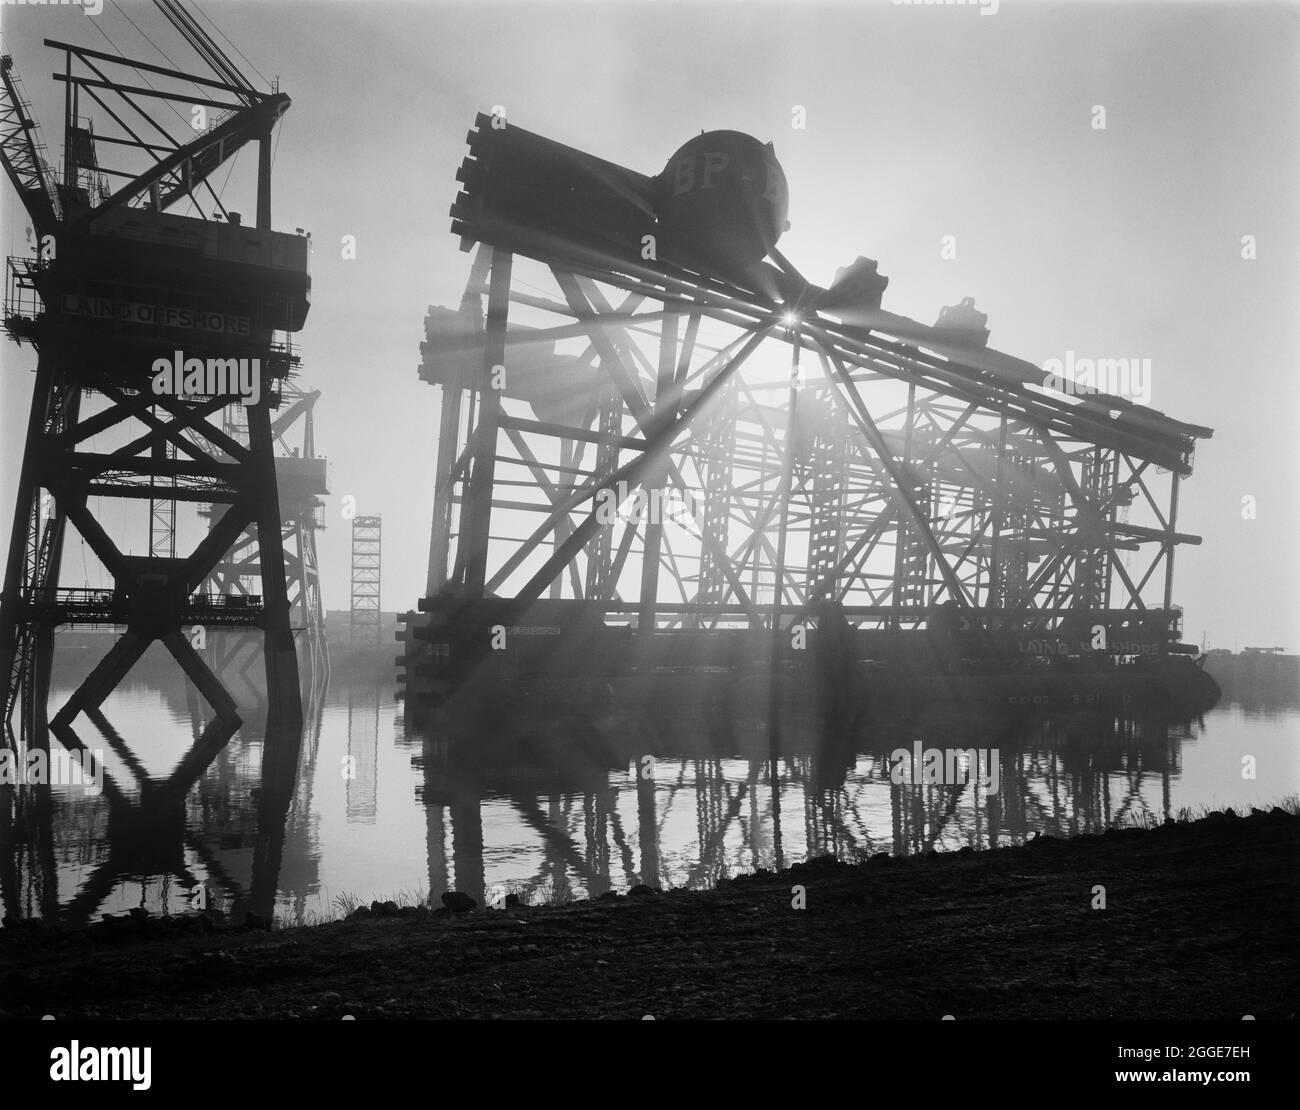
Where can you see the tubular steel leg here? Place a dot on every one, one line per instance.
(654, 482)
(478, 507)
(20, 537)
(1170, 544)
(284, 696)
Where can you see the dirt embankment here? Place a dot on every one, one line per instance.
(1199, 922)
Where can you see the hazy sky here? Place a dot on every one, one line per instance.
(922, 122)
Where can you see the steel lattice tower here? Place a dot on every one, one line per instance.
(119, 284)
(364, 622)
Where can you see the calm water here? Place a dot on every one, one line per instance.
(558, 806)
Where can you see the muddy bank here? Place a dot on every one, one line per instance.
(1199, 922)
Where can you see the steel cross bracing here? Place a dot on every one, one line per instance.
(967, 488)
(115, 282)
(141, 599)
(301, 479)
(624, 433)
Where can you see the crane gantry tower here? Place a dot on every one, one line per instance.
(121, 281)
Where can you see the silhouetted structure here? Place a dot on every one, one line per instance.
(119, 286)
(628, 481)
(301, 480)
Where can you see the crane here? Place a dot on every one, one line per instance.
(178, 168)
(132, 279)
(23, 152)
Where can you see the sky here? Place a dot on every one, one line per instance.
(920, 122)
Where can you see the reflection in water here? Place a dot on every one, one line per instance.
(603, 814)
(551, 801)
(172, 838)
(363, 753)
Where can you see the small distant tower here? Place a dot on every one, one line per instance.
(364, 626)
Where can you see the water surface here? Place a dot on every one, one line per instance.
(558, 806)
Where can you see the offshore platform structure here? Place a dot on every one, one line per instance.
(120, 282)
(660, 446)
